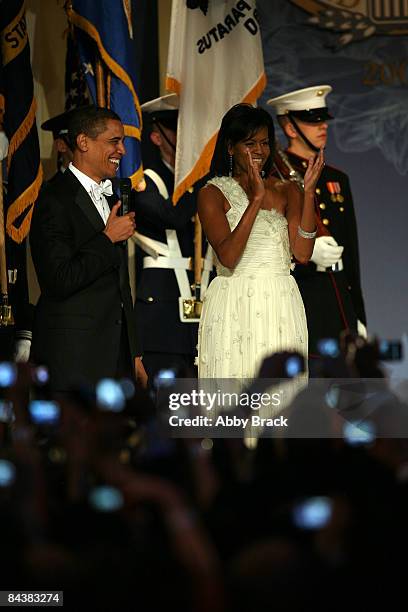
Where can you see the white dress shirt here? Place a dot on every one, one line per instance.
(101, 203)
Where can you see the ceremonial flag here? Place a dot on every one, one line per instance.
(215, 61)
(105, 40)
(24, 171)
(76, 89)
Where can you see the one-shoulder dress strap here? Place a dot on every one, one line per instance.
(232, 191)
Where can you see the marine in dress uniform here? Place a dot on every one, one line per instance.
(165, 246)
(330, 283)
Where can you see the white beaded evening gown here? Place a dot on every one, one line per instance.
(255, 309)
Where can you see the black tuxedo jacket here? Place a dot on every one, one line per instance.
(85, 293)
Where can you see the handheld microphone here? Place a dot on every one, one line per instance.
(125, 187)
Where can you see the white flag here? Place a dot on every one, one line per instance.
(215, 61)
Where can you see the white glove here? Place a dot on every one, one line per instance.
(4, 143)
(22, 351)
(326, 251)
(361, 329)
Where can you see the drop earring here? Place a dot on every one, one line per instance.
(230, 165)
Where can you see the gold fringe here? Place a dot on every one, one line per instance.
(256, 90)
(136, 177)
(22, 132)
(202, 165)
(200, 169)
(23, 201)
(173, 84)
(132, 131)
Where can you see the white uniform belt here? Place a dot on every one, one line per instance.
(150, 245)
(168, 256)
(174, 263)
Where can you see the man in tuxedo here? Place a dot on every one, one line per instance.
(83, 327)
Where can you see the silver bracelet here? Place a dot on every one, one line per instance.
(307, 235)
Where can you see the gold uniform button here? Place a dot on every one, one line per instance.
(150, 299)
(341, 208)
(325, 221)
(318, 191)
(322, 205)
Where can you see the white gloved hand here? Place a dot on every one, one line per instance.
(4, 143)
(326, 251)
(22, 351)
(361, 329)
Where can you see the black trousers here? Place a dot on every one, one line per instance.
(125, 367)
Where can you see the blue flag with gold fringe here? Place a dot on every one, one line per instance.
(105, 40)
(24, 171)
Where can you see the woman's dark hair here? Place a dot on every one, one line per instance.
(240, 123)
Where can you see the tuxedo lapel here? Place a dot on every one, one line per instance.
(74, 189)
(72, 192)
(85, 203)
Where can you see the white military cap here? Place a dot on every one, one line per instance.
(308, 104)
(163, 110)
(168, 102)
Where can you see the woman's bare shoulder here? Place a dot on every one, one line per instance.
(210, 187)
(210, 197)
(209, 190)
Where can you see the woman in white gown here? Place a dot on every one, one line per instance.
(253, 307)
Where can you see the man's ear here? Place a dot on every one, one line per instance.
(156, 139)
(288, 129)
(82, 142)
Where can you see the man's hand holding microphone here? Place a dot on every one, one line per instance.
(119, 228)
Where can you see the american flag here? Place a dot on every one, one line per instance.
(76, 89)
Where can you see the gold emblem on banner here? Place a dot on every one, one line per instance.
(357, 19)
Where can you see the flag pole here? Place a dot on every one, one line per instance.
(100, 83)
(6, 316)
(198, 245)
